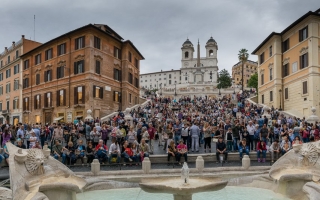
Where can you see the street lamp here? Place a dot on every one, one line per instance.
(175, 86)
(219, 88)
(280, 100)
(234, 87)
(160, 89)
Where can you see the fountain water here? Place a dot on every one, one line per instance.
(182, 189)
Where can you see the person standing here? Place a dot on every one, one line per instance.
(177, 127)
(207, 136)
(152, 132)
(195, 133)
(251, 130)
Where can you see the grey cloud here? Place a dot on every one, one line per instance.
(158, 28)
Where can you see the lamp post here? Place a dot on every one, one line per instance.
(160, 89)
(219, 88)
(234, 87)
(175, 88)
(280, 109)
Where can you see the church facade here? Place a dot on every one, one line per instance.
(195, 72)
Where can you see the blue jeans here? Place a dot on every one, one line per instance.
(125, 156)
(243, 151)
(229, 145)
(264, 139)
(235, 144)
(56, 156)
(1, 158)
(177, 138)
(264, 152)
(305, 140)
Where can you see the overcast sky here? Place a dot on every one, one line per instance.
(158, 28)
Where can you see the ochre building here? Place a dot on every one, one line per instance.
(91, 67)
(289, 67)
(10, 80)
(250, 68)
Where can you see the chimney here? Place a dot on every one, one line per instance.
(13, 44)
(6, 49)
(22, 36)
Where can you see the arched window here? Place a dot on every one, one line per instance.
(186, 54)
(210, 52)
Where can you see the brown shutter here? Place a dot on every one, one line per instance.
(51, 75)
(94, 91)
(34, 102)
(75, 95)
(23, 105)
(51, 97)
(83, 94)
(40, 101)
(45, 77)
(18, 106)
(45, 100)
(58, 72)
(75, 70)
(101, 92)
(58, 50)
(76, 44)
(57, 98)
(64, 97)
(83, 42)
(83, 68)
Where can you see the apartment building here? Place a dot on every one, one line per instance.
(91, 67)
(289, 66)
(250, 68)
(10, 80)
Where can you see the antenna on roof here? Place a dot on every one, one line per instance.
(34, 27)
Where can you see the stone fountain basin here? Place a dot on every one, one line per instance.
(176, 186)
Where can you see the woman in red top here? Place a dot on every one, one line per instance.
(261, 149)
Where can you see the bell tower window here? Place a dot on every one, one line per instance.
(186, 54)
(210, 52)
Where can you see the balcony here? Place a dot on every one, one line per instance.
(5, 112)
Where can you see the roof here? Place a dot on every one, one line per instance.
(187, 42)
(316, 13)
(211, 40)
(250, 61)
(161, 72)
(107, 31)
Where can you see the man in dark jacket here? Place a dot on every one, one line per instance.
(221, 148)
(236, 135)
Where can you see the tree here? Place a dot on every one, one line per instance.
(243, 57)
(253, 81)
(224, 79)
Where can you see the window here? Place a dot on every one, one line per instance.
(97, 92)
(210, 52)
(262, 79)
(303, 34)
(285, 70)
(61, 97)
(48, 99)
(130, 78)
(37, 101)
(26, 103)
(186, 54)
(79, 95)
(261, 58)
(37, 79)
(116, 96)
(38, 59)
(25, 83)
(48, 75)
(15, 103)
(8, 105)
(48, 54)
(136, 63)
(97, 42)
(304, 87)
(1, 90)
(16, 69)
(8, 73)
(8, 59)
(285, 45)
(130, 57)
(169, 82)
(26, 64)
(16, 84)
(117, 74)
(117, 53)
(0, 106)
(79, 43)
(169, 75)
(17, 54)
(270, 72)
(79, 67)
(304, 61)
(61, 49)
(97, 66)
(286, 93)
(8, 87)
(130, 98)
(271, 95)
(1, 63)
(270, 52)
(136, 82)
(60, 72)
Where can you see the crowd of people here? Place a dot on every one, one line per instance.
(182, 126)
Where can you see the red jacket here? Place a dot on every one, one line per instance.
(104, 147)
(261, 147)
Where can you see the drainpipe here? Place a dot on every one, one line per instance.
(69, 70)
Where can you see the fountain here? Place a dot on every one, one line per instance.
(182, 188)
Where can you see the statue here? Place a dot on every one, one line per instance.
(185, 173)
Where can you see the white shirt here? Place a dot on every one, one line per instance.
(251, 129)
